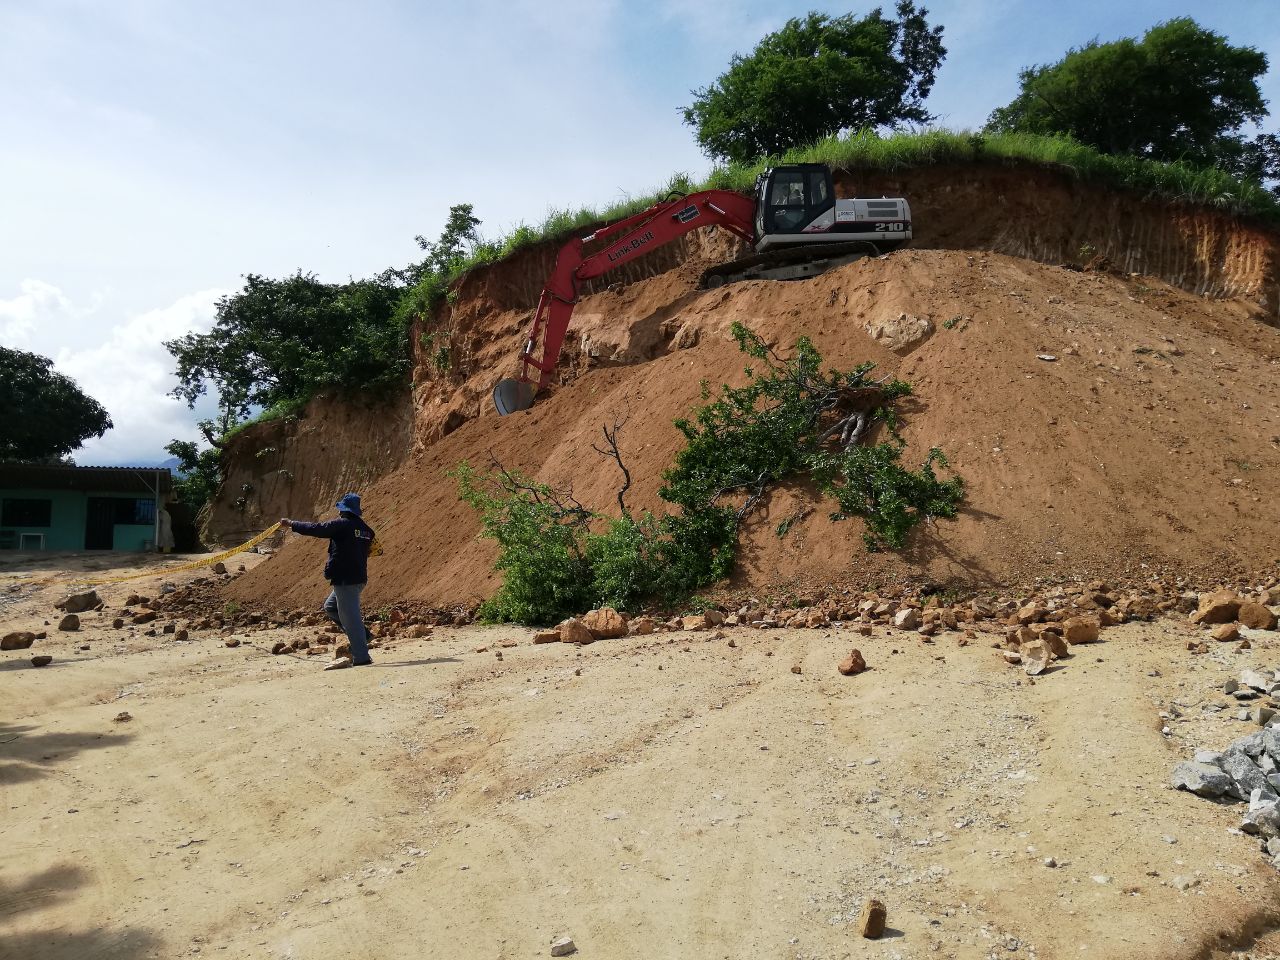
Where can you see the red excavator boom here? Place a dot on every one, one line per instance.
(663, 222)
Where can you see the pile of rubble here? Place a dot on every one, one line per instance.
(1248, 770)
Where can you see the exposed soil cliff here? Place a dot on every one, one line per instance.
(1147, 440)
(299, 466)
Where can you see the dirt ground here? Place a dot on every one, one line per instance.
(664, 796)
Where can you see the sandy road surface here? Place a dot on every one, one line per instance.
(668, 796)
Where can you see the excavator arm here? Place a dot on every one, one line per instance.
(636, 235)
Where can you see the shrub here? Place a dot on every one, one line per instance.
(792, 420)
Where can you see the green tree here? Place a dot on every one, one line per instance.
(46, 414)
(283, 341)
(816, 76)
(1179, 93)
(199, 473)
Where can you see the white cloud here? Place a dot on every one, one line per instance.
(36, 305)
(131, 373)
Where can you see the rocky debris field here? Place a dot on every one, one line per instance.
(724, 781)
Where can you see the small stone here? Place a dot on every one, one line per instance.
(852, 664)
(219, 567)
(1050, 862)
(41, 660)
(1262, 715)
(1184, 883)
(145, 617)
(795, 668)
(642, 626)
(117, 623)
(124, 716)
(339, 664)
(563, 947)
(69, 622)
(871, 923)
(547, 636)
(280, 647)
(181, 636)
(232, 642)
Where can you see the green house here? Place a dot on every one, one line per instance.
(56, 507)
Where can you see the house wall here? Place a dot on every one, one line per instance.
(69, 511)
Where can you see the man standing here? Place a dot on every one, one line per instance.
(346, 570)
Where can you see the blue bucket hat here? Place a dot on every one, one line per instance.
(350, 504)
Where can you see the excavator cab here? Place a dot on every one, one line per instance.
(790, 198)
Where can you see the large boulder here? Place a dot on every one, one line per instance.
(1257, 616)
(643, 625)
(1246, 774)
(1202, 779)
(79, 602)
(574, 630)
(1221, 606)
(18, 640)
(1081, 630)
(605, 623)
(907, 618)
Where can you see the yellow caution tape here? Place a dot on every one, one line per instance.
(203, 562)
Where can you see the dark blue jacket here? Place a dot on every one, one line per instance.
(349, 542)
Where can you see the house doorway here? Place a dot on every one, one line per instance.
(100, 525)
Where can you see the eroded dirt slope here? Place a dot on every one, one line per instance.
(1152, 436)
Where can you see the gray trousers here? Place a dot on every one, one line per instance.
(343, 608)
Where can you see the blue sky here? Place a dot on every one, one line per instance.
(154, 152)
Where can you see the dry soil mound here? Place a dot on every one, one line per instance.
(1154, 435)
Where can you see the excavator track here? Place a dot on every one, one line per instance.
(792, 263)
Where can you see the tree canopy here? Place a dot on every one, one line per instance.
(46, 414)
(282, 341)
(818, 75)
(1179, 93)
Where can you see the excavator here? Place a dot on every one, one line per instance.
(793, 222)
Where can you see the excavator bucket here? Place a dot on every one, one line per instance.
(512, 396)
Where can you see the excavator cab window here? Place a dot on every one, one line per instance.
(792, 198)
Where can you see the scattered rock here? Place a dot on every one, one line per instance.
(795, 668)
(852, 664)
(181, 636)
(1201, 779)
(1256, 616)
(547, 636)
(1184, 883)
(907, 619)
(1254, 679)
(1081, 630)
(642, 626)
(574, 630)
(871, 923)
(69, 622)
(19, 640)
(605, 623)
(79, 602)
(1035, 657)
(233, 642)
(697, 621)
(280, 647)
(124, 716)
(1225, 632)
(219, 567)
(145, 617)
(338, 664)
(118, 623)
(1221, 606)
(41, 660)
(563, 947)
